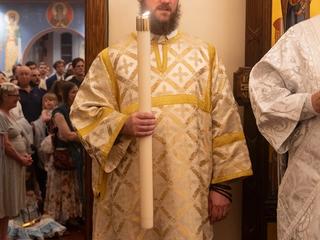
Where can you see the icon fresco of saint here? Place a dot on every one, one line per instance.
(13, 40)
(59, 14)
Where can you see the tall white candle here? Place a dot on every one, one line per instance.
(145, 144)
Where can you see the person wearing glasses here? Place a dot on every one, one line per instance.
(14, 158)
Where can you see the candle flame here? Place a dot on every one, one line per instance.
(146, 14)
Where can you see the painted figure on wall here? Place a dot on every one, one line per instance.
(59, 14)
(278, 28)
(13, 40)
(294, 11)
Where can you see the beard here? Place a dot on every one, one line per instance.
(162, 27)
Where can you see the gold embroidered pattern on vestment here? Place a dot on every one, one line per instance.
(109, 67)
(100, 117)
(227, 139)
(244, 173)
(106, 148)
(170, 100)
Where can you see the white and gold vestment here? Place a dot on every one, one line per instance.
(198, 138)
(281, 85)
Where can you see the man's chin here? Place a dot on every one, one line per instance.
(163, 17)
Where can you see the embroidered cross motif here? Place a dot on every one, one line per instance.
(196, 59)
(125, 66)
(180, 74)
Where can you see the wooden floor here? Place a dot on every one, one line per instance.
(73, 234)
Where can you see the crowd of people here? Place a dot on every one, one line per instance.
(42, 156)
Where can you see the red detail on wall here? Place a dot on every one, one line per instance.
(59, 14)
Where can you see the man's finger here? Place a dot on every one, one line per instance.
(226, 210)
(146, 122)
(146, 128)
(144, 134)
(218, 213)
(145, 115)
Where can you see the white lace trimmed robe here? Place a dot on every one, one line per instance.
(280, 86)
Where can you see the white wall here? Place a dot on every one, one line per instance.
(223, 24)
(77, 46)
(56, 46)
(220, 22)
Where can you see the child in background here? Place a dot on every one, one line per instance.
(49, 102)
(42, 124)
(41, 128)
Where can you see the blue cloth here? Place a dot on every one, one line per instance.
(292, 18)
(46, 228)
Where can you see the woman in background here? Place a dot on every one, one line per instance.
(13, 159)
(63, 187)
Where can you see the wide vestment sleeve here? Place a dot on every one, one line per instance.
(230, 154)
(96, 117)
(280, 88)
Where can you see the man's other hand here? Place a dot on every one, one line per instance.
(218, 206)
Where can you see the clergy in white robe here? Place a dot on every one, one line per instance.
(197, 139)
(284, 91)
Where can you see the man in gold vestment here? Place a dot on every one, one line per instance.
(198, 143)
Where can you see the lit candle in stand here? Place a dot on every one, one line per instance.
(145, 143)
